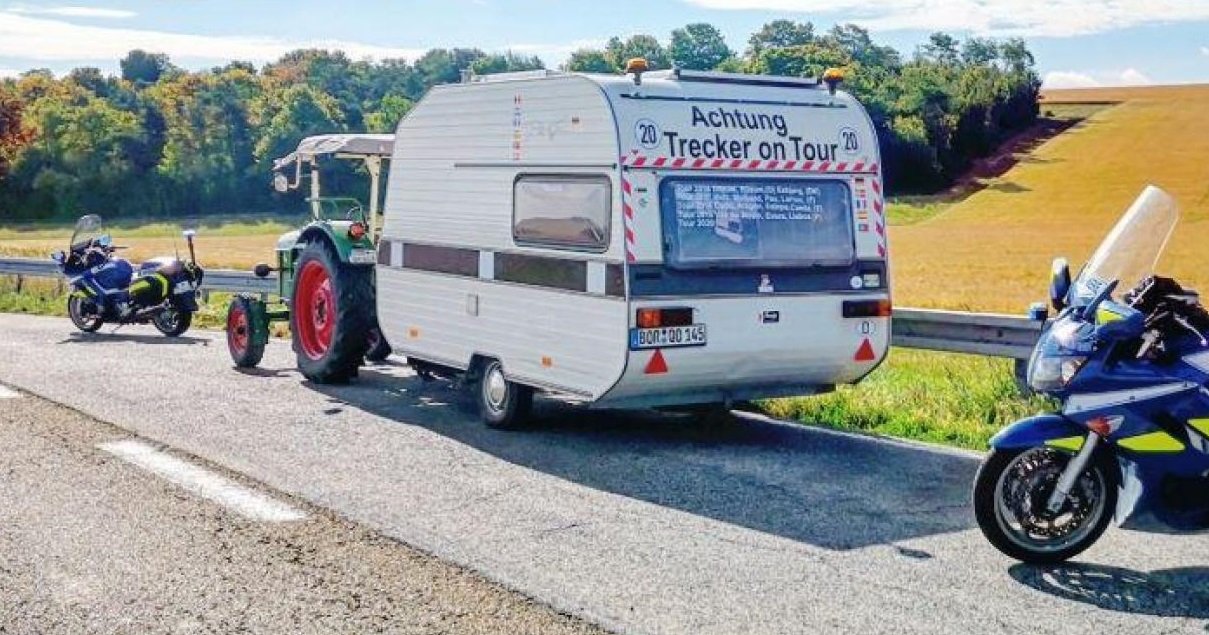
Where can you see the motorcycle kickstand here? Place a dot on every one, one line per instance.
(1071, 473)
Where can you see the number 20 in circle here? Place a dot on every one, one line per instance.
(850, 142)
(646, 133)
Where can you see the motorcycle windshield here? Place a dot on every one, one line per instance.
(89, 227)
(1133, 247)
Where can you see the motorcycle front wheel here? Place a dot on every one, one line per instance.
(1011, 493)
(84, 320)
(172, 322)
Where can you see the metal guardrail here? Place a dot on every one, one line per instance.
(990, 334)
(216, 280)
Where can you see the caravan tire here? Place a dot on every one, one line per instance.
(330, 312)
(503, 404)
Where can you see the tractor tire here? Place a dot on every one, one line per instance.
(330, 312)
(245, 347)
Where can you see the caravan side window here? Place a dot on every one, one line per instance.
(567, 211)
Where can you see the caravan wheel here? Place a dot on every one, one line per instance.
(503, 404)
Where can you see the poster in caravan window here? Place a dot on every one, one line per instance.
(759, 222)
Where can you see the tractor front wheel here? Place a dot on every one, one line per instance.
(246, 348)
(330, 313)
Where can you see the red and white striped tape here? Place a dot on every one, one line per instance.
(683, 163)
(879, 217)
(627, 208)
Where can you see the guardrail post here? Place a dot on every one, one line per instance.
(20, 282)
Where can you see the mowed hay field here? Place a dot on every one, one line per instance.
(992, 251)
(221, 244)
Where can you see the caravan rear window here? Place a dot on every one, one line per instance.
(711, 222)
(562, 211)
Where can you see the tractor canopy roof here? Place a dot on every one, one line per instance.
(349, 145)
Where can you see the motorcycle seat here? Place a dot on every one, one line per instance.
(168, 266)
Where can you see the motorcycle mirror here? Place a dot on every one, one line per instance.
(262, 270)
(57, 257)
(1059, 283)
(281, 183)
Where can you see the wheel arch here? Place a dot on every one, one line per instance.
(335, 235)
(1035, 431)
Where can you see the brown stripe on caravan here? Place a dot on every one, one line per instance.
(567, 274)
(615, 280)
(558, 273)
(452, 260)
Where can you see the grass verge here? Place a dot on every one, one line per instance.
(946, 398)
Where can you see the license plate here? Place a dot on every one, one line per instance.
(668, 337)
(363, 256)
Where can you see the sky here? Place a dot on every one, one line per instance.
(1077, 43)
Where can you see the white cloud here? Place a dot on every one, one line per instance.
(9, 72)
(1205, 51)
(1057, 18)
(553, 52)
(1134, 77)
(74, 12)
(1069, 79)
(1074, 79)
(43, 39)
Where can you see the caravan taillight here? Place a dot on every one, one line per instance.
(867, 308)
(656, 318)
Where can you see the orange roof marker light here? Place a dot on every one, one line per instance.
(636, 66)
(832, 77)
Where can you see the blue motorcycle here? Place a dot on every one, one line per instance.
(1131, 440)
(162, 291)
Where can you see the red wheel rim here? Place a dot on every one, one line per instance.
(237, 331)
(315, 309)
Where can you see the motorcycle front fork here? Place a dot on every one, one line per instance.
(1071, 474)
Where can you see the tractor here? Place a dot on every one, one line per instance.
(325, 270)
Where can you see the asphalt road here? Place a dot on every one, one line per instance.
(638, 522)
(91, 544)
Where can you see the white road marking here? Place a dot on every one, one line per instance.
(8, 393)
(203, 482)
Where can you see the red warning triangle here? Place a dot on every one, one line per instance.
(657, 365)
(865, 352)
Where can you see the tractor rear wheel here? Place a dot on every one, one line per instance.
(330, 312)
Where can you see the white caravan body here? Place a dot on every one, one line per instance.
(689, 238)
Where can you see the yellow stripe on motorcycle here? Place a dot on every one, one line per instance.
(1152, 442)
(1107, 316)
(1074, 444)
(1200, 425)
(139, 286)
(81, 293)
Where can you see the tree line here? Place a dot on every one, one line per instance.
(157, 140)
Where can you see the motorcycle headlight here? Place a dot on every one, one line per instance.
(1048, 373)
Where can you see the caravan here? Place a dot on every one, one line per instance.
(647, 240)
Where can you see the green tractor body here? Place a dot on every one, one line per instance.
(326, 266)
